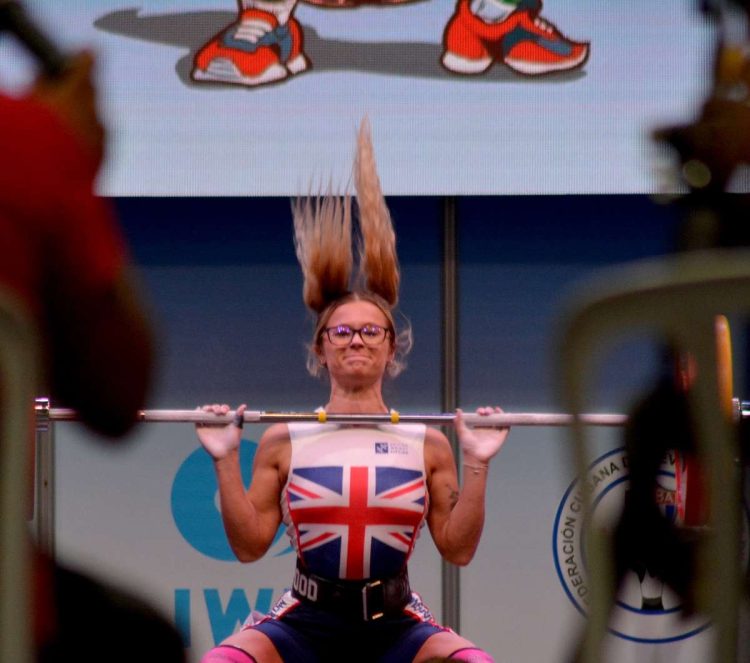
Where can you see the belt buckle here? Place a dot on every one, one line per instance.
(373, 604)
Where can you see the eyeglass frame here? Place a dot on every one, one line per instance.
(326, 332)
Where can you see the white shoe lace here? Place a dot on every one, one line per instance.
(252, 29)
(546, 26)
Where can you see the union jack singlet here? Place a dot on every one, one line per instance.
(355, 498)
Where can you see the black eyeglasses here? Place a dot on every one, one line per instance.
(343, 334)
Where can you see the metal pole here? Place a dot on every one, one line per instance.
(450, 577)
(44, 479)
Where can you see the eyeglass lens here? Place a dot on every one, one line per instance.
(343, 334)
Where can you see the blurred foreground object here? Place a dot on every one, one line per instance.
(711, 148)
(13, 19)
(679, 298)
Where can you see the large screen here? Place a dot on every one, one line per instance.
(263, 97)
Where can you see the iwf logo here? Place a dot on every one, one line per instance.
(195, 509)
(646, 610)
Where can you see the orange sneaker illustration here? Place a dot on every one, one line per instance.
(265, 44)
(482, 32)
(256, 50)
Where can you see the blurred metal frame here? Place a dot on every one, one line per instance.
(18, 381)
(680, 297)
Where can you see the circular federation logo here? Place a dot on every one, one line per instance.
(646, 610)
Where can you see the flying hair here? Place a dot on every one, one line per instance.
(378, 263)
(323, 243)
(323, 234)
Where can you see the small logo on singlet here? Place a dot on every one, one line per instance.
(391, 448)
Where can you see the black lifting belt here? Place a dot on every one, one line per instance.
(360, 600)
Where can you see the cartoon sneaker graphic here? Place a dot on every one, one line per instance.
(255, 50)
(481, 32)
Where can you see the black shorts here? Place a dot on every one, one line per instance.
(306, 634)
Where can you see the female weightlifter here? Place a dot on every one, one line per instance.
(353, 497)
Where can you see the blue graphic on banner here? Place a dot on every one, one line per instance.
(182, 615)
(224, 619)
(195, 505)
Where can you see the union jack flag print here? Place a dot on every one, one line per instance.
(356, 522)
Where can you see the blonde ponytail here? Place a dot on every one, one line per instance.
(378, 263)
(323, 243)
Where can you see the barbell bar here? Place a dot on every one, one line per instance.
(507, 419)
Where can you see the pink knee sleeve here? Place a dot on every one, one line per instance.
(227, 654)
(471, 655)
